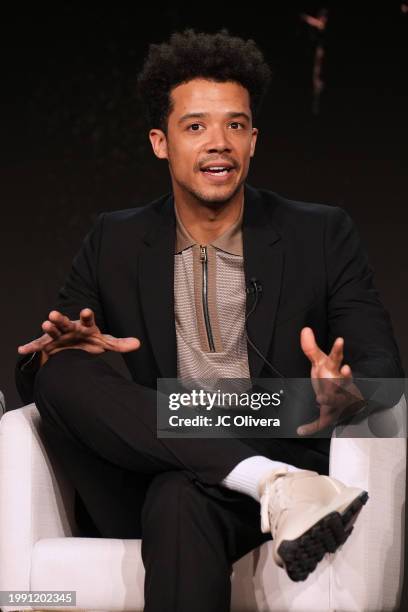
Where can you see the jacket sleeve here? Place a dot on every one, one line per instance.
(80, 290)
(355, 311)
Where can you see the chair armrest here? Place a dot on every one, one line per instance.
(36, 500)
(368, 574)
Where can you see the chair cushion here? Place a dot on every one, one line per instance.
(107, 574)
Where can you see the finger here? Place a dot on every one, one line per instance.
(50, 329)
(87, 317)
(336, 353)
(122, 345)
(346, 372)
(310, 347)
(64, 341)
(33, 346)
(62, 322)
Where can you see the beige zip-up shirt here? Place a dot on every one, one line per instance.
(210, 299)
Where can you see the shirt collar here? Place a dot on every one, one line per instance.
(229, 241)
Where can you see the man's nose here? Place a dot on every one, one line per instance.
(218, 140)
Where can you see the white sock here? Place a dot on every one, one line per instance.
(247, 474)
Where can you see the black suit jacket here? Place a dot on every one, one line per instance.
(307, 257)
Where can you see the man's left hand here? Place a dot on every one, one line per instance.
(336, 394)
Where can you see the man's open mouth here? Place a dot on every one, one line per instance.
(217, 170)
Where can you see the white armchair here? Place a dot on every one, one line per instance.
(39, 550)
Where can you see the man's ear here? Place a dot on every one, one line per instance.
(159, 143)
(253, 141)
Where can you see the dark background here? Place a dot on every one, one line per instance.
(74, 143)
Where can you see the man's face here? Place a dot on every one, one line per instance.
(210, 124)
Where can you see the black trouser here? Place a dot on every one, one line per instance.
(102, 428)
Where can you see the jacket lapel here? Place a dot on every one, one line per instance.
(263, 260)
(156, 286)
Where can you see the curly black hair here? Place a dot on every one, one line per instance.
(218, 57)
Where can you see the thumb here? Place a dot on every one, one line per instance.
(308, 429)
(125, 345)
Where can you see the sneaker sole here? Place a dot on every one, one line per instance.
(300, 556)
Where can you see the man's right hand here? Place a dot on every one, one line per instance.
(62, 333)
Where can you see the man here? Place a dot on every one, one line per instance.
(166, 284)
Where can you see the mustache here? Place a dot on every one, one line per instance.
(218, 161)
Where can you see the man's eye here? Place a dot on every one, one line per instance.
(237, 123)
(194, 125)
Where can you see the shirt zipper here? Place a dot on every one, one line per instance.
(203, 258)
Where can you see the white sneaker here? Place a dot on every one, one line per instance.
(308, 515)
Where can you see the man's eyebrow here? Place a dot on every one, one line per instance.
(230, 115)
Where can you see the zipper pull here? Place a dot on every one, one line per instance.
(203, 253)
